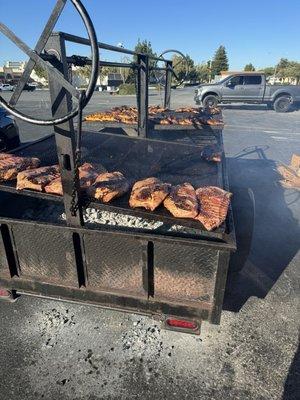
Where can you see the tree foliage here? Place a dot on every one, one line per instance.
(41, 73)
(144, 47)
(220, 61)
(249, 67)
(203, 72)
(184, 68)
(288, 69)
(268, 71)
(84, 72)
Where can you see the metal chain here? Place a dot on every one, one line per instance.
(75, 201)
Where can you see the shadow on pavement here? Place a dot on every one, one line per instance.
(268, 236)
(292, 383)
(253, 107)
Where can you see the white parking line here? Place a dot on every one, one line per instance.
(257, 130)
(279, 138)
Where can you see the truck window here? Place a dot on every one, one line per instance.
(236, 80)
(252, 79)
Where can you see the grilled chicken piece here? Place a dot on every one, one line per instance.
(211, 153)
(214, 203)
(148, 193)
(193, 110)
(108, 186)
(185, 121)
(87, 176)
(11, 165)
(182, 201)
(37, 178)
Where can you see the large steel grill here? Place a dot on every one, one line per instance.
(137, 158)
(165, 272)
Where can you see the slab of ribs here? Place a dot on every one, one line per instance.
(11, 165)
(87, 176)
(108, 186)
(211, 153)
(148, 193)
(213, 204)
(182, 201)
(37, 178)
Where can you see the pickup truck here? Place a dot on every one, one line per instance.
(248, 88)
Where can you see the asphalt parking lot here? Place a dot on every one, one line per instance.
(54, 350)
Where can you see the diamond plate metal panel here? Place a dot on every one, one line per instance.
(114, 263)
(184, 273)
(45, 254)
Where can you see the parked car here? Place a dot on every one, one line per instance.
(30, 88)
(9, 132)
(6, 87)
(248, 88)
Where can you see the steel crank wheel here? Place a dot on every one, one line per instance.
(179, 60)
(35, 58)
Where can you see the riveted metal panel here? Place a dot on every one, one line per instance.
(184, 273)
(115, 263)
(45, 254)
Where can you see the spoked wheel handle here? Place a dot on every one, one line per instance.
(160, 77)
(35, 58)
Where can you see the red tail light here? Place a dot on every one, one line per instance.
(180, 323)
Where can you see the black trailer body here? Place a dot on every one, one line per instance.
(152, 263)
(177, 268)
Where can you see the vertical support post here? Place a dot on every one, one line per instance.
(64, 133)
(167, 102)
(142, 94)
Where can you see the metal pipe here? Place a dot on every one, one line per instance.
(77, 39)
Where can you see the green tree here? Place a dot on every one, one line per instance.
(41, 73)
(220, 61)
(283, 63)
(184, 68)
(249, 67)
(292, 71)
(203, 72)
(144, 47)
(268, 71)
(84, 72)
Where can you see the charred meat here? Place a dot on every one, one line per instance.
(148, 193)
(37, 178)
(108, 186)
(211, 153)
(11, 165)
(182, 201)
(214, 203)
(87, 176)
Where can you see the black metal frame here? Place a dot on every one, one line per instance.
(78, 275)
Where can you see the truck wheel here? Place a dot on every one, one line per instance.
(282, 104)
(210, 101)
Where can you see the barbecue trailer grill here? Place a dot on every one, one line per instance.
(75, 248)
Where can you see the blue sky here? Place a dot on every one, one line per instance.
(253, 31)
